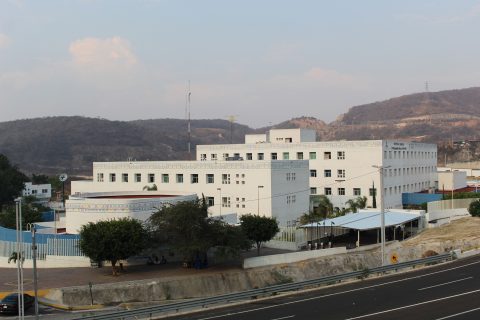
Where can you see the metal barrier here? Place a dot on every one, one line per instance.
(148, 312)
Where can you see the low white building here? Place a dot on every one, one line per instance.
(452, 180)
(43, 192)
(92, 207)
(277, 189)
(342, 170)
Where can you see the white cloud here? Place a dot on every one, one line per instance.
(4, 40)
(102, 54)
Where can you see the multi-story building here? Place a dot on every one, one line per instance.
(43, 192)
(271, 188)
(341, 170)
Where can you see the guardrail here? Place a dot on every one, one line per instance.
(149, 312)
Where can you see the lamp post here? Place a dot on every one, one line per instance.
(382, 210)
(258, 199)
(220, 201)
(31, 227)
(18, 213)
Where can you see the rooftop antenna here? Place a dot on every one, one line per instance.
(426, 86)
(232, 119)
(187, 117)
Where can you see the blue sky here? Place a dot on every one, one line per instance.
(262, 61)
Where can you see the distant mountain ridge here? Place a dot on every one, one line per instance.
(52, 145)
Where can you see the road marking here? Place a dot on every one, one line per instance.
(414, 305)
(458, 314)
(287, 317)
(445, 283)
(339, 293)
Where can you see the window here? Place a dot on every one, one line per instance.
(203, 157)
(313, 190)
(213, 156)
(236, 155)
(341, 191)
(194, 178)
(340, 173)
(291, 199)
(124, 177)
(44, 190)
(372, 192)
(313, 155)
(225, 156)
(165, 178)
(151, 178)
(327, 155)
(225, 178)
(290, 176)
(34, 191)
(357, 192)
(299, 155)
(210, 201)
(328, 191)
(112, 178)
(260, 156)
(313, 173)
(99, 177)
(286, 156)
(249, 156)
(179, 178)
(210, 178)
(327, 173)
(226, 202)
(341, 155)
(138, 177)
(273, 156)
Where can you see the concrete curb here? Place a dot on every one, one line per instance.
(53, 304)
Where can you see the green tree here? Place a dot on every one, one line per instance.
(12, 182)
(186, 228)
(474, 208)
(31, 212)
(113, 240)
(357, 203)
(40, 179)
(259, 229)
(321, 206)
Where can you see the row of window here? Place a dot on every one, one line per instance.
(409, 171)
(274, 156)
(388, 191)
(409, 154)
(327, 173)
(240, 202)
(165, 178)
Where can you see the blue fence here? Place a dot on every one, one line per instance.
(11, 235)
(419, 198)
(48, 216)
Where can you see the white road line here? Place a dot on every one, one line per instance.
(287, 317)
(458, 314)
(445, 283)
(414, 305)
(339, 293)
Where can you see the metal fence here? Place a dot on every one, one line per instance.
(150, 312)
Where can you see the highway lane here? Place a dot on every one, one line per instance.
(447, 291)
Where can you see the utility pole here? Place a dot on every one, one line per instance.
(382, 210)
(18, 212)
(34, 257)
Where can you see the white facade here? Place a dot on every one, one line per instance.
(452, 180)
(40, 191)
(93, 207)
(343, 170)
(277, 189)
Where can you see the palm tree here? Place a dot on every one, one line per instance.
(321, 206)
(152, 188)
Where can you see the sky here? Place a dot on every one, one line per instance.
(262, 61)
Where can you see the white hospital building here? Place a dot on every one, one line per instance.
(271, 174)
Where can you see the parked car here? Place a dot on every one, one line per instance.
(9, 304)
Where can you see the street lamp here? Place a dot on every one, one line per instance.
(220, 200)
(382, 209)
(258, 199)
(18, 212)
(31, 227)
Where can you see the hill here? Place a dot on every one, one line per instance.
(55, 144)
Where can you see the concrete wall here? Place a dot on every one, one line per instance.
(289, 257)
(50, 262)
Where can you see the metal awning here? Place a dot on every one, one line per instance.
(367, 220)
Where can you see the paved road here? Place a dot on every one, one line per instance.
(448, 291)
